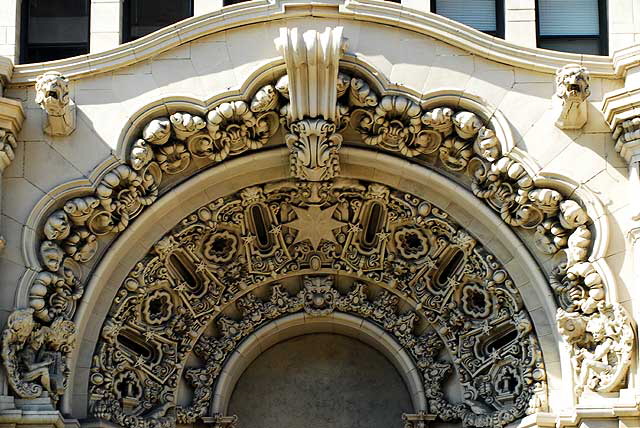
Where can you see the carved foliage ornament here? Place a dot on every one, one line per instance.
(408, 248)
(456, 141)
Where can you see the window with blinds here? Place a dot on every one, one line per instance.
(54, 29)
(142, 17)
(483, 15)
(577, 26)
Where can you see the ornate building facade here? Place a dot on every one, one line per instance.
(337, 213)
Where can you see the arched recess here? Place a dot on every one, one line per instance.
(473, 154)
(214, 262)
(272, 166)
(299, 324)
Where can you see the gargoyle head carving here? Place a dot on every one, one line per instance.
(52, 93)
(572, 83)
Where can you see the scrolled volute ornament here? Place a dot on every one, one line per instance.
(234, 128)
(157, 131)
(123, 193)
(185, 124)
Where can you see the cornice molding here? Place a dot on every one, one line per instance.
(6, 71)
(374, 11)
(11, 115)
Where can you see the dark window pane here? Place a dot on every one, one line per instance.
(147, 16)
(479, 14)
(571, 18)
(50, 53)
(572, 45)
(55, 29)
(577, 26)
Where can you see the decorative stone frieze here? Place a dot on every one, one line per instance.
(406, 251)
(569, 101)
(52, 94)
(450, 139)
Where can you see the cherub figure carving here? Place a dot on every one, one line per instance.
(52, 94)
(601, 345)
(569, 101)
(35, 357)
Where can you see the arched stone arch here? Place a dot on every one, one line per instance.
(452, 141)
(299, 324)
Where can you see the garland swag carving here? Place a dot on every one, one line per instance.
(214, 262)
(453, 140)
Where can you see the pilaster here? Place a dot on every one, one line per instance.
(11, 118)
(520, 22)
(106, 25)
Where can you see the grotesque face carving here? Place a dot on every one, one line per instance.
(57, 226)
(52, 93)
(572, 83)
(51, 255)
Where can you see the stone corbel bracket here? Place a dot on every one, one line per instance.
(312, 116)
(52, 94)
(569, 103)
(621, 111)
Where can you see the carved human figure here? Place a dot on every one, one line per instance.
(35, 357)
(569, 101)
(52, 94)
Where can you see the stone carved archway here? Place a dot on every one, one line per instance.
(291, 326)
(459, 298)
(457, 142)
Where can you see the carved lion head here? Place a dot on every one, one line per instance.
(572, 83)
(52, 93)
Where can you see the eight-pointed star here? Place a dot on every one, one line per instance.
(315, 224)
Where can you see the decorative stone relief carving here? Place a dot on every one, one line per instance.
(600, 346)
(453, 140)
(36, 357)
(312, 87)
(52, 94)
(206, 269)
(569, 101)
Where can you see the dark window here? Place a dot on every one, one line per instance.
(142, 17)
(54, 29)
(577, 26)
(484, 15)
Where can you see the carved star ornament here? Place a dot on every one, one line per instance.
(315, 224)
